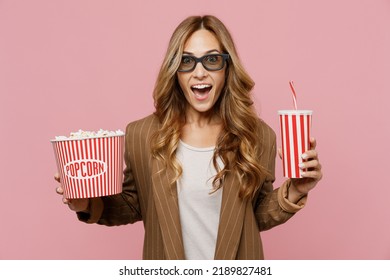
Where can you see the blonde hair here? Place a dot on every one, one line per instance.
(238, 144)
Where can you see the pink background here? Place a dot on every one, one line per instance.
(66, 65)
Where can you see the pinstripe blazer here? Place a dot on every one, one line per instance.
(148, 196)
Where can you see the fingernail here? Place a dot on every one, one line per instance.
(304, 156)
(301, 165)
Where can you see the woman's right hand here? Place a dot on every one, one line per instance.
(77, 205)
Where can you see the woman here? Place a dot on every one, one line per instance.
(199, 171)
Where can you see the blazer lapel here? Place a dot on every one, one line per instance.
(166, 202)
(231, 220)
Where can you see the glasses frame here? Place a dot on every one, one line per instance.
(224, 56)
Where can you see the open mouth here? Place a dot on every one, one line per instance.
(201, 91)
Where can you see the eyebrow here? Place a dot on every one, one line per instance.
(208, 52)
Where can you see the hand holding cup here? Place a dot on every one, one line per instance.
(311, 172)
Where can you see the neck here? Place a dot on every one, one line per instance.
(202, 118)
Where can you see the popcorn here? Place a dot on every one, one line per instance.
(81, 134)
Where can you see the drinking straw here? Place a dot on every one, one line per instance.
(294, 95)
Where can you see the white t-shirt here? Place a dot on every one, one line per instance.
(199, 208)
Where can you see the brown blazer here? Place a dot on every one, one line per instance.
(147, 196)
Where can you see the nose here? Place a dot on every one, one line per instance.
(199, 71)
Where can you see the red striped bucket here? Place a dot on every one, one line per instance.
(90, 167)
(295, 126)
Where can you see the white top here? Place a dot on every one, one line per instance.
(199, 209)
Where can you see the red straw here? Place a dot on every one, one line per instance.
(294, 94)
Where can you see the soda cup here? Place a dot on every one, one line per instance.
(295, 126)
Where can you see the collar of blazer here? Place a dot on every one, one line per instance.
(166, 201)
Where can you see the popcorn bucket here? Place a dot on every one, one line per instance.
(90, 167)
(295, 128)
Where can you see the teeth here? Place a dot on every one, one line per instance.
(201, 86)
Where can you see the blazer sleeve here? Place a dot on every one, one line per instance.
(116, 209)
(272, 207)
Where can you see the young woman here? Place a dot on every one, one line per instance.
(200, 170)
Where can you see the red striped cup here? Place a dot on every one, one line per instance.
(295, 128)
(90, 167)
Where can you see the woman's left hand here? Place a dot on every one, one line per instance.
(311, 175)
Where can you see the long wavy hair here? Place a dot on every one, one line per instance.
(237, 146)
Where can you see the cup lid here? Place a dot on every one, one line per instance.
(295, 112)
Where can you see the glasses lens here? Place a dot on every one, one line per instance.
(187, 63)
(213, 62)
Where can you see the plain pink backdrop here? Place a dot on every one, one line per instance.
(66, 65)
